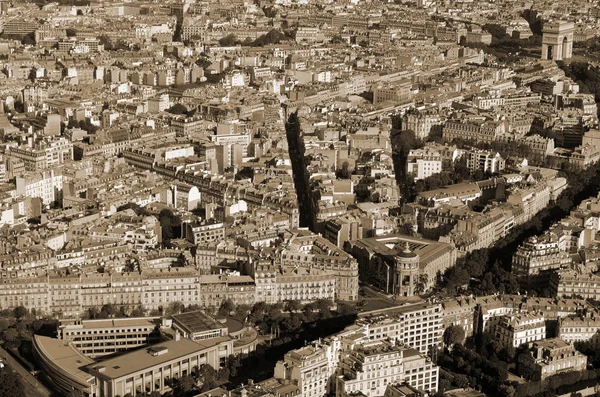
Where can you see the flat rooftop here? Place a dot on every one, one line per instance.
(66, 357)
(197, 321)
(111, 323)
(141, 359)
(396, 311)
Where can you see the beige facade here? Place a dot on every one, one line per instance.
(311, 368)
(96, 338)
(151, 369)
(550, 357)
(71, 296)
(371, 368)
(581, 328)
(514, 331)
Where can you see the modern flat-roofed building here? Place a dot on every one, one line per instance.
(198, 325)
(62, 365)
(422, 163)
(464, 192)
(101, 337)
(418, 325)
(150, 369)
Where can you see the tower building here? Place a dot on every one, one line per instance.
(407, 271)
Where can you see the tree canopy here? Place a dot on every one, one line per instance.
(454, 334)
(10, 384)
(228, 41)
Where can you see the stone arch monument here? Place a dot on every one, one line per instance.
(557, 40)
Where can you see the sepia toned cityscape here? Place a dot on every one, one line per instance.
(299, 198)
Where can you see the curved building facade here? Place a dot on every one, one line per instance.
(61, 363)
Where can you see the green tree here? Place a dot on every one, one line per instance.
(28, 39)
(20, 312)
(454, 334)
(344, 172)
(174, 308)
(207, 375)
(11, 337)
(323, 306)
(170, 225)
(10, 384)
(227, 306)
(178, 108)
(138, 312)
(228, 41)
(185, 384)
(108, 45)
(293, 306)
(291, 323)
(243, 310)
(111, 310)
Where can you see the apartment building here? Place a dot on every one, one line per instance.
(344, 228)
(489, 310)
(47, 186)
(573, 283)
(419, 326)
(372, 367)
(204, 232)
(422, 163)
(550, 357)
(536, 256)
(20, 27)
(476, 130)
(306, 250)
(311, 368)
(460, 312)
(485, 161)
(398, 92)
(285, 283)
(187, 126)
(422, 123)
(531, 200)
(523, 328)
(71, 296)
(44, 155)
(582, 327)
(214, 289)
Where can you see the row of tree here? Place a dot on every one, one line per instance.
(272, 37)
(467, 368)
(487, 270)
(10, 383)
(85, 125)
(20, 324)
